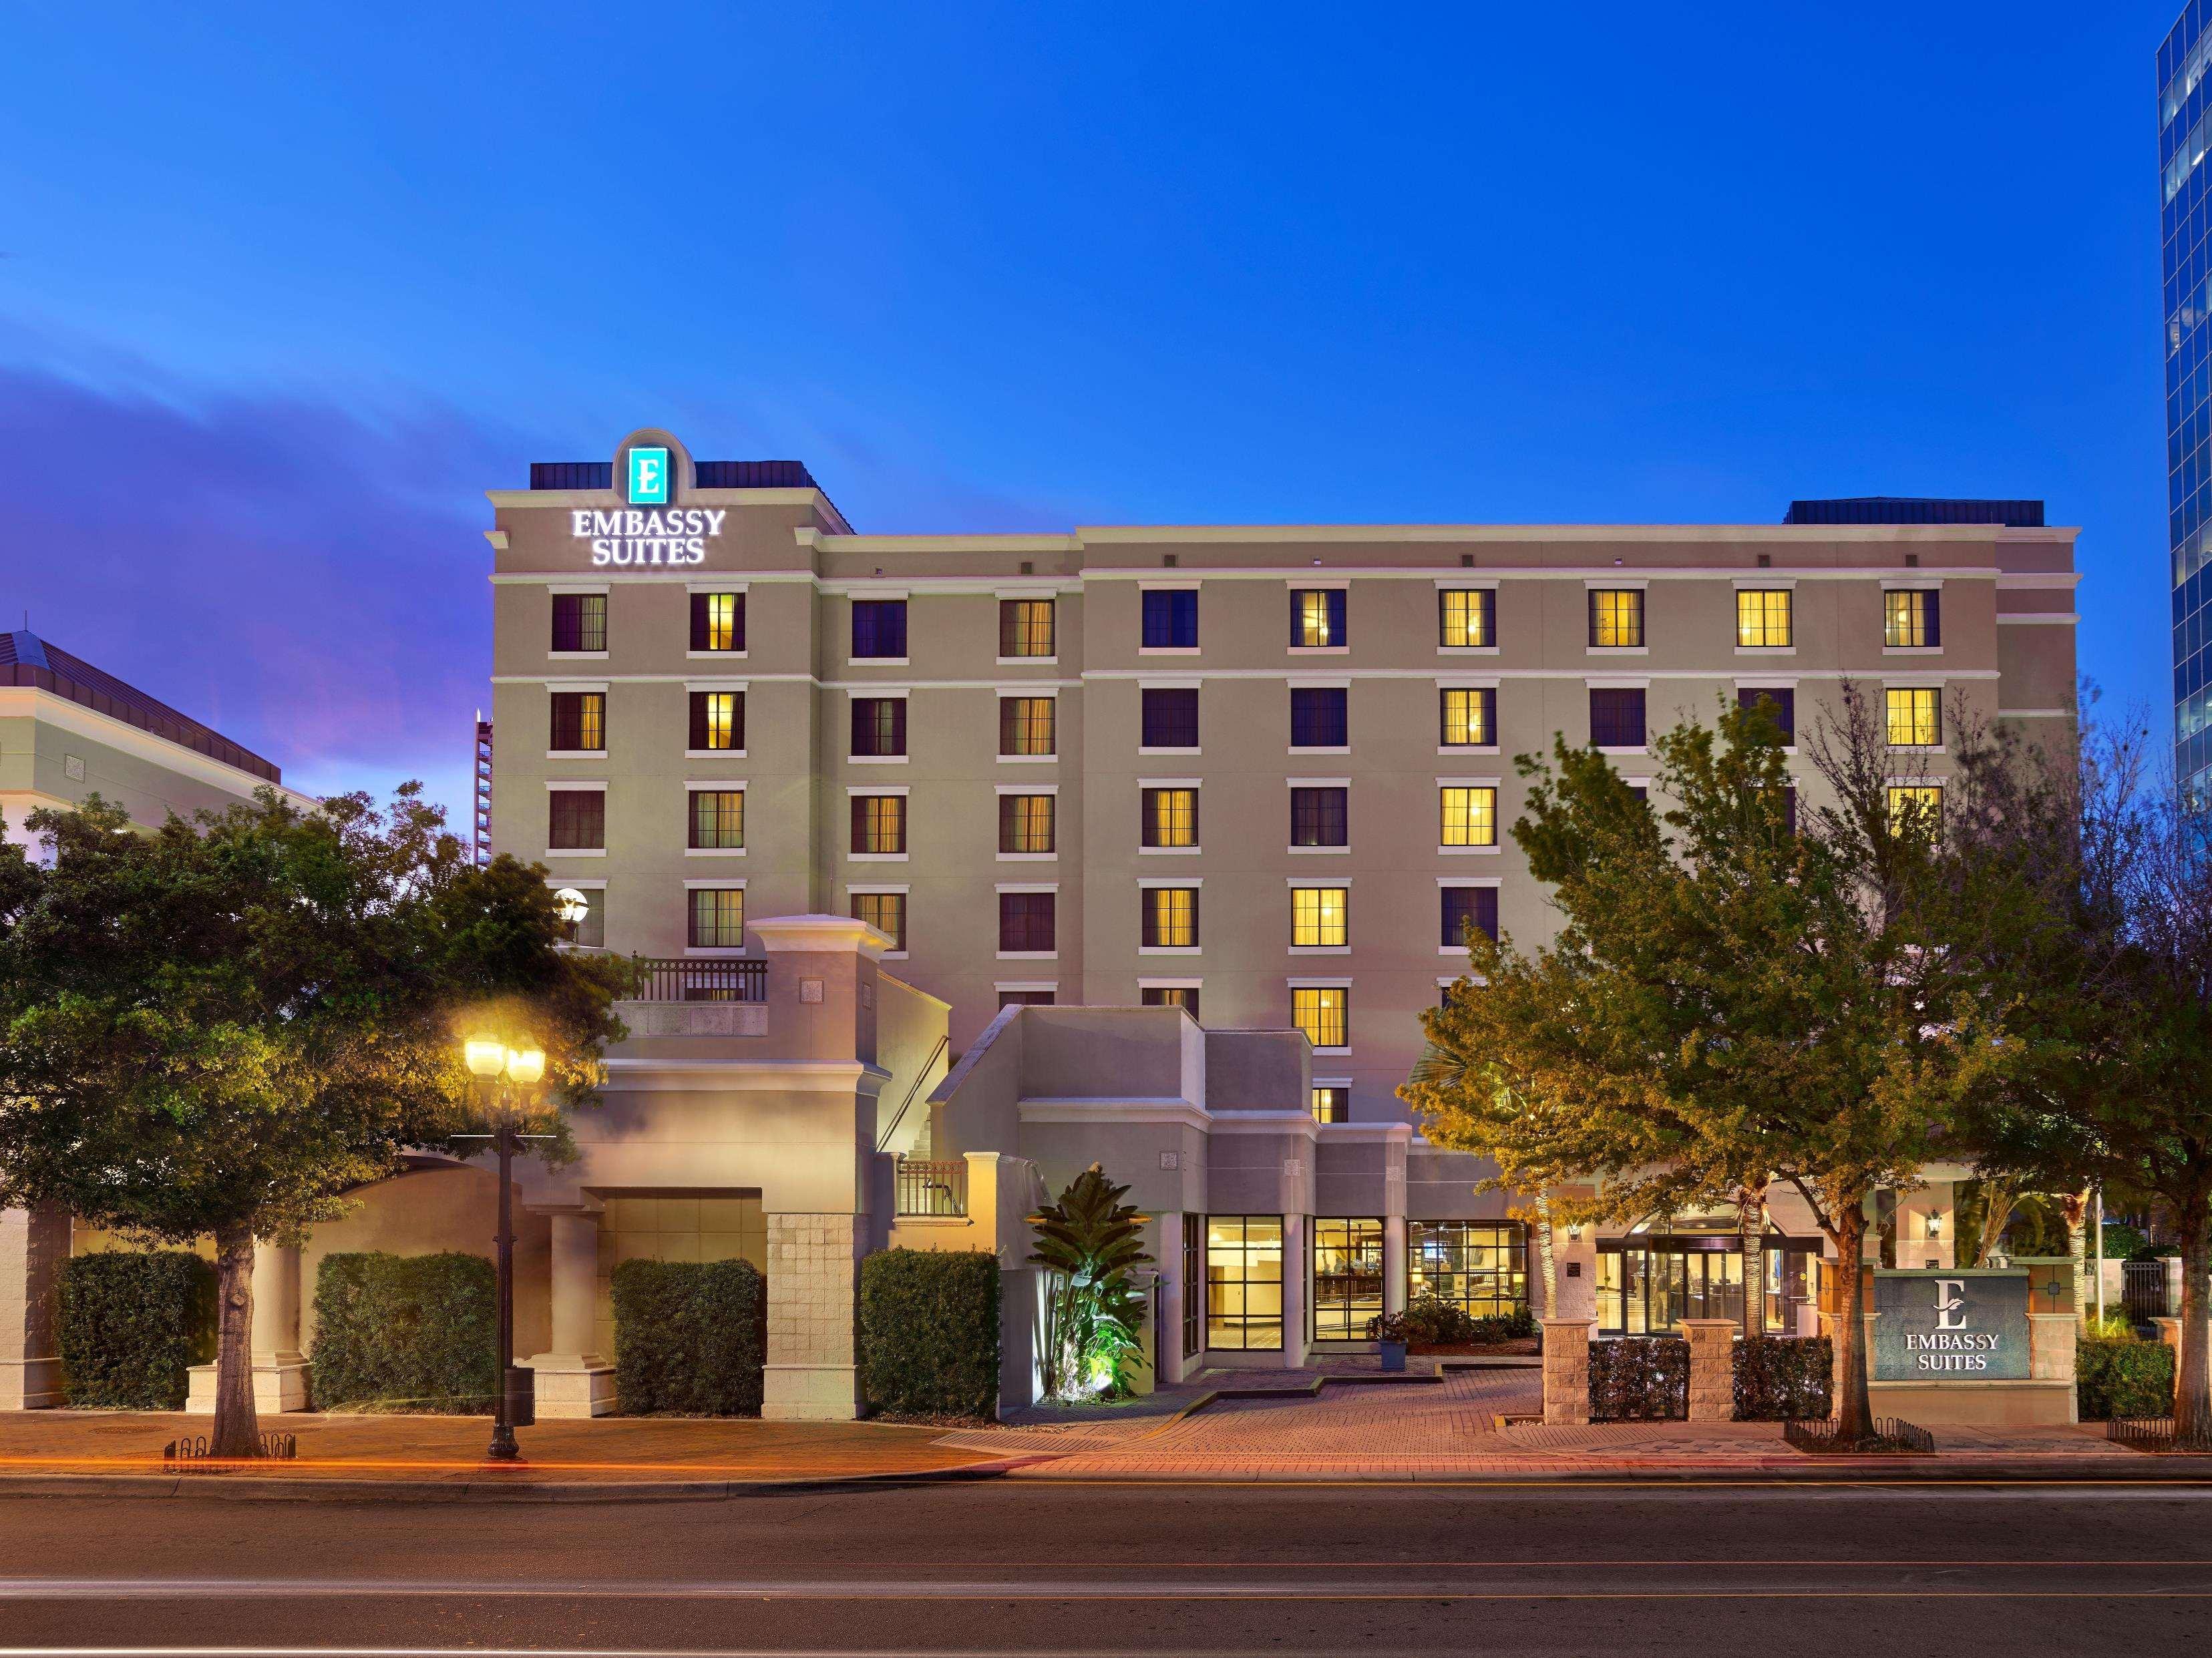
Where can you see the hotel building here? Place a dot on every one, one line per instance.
(1261, 775)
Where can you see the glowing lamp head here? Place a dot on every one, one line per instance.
(572, 906)
(1934, 1226)
(526, 1066)
(487, 1057)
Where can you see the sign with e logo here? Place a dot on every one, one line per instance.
(648, 477)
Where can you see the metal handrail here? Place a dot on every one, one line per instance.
(700, 979)
(924, 1188)
(919, 1077)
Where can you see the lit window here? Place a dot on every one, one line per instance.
(1616, 617)
(879, 823)
(1915, 718)
(718, 622)
(1318, 1011)
(718, 918)
(1244, 1282)
(1469, 816)
(879, 727)
(883, 911)
(1317, 617)
(580, 621)
(580, 721)
(1912, 618)
(1480, 1267)
(1025, 627)
(1347, 1277)
(1762, 616)
(1025, 725)
(1318, 917)
(1025, 822)
(1183, 996)
(1171, 918)
(718, 819)
(1331, 1104)
(1470, 717)
(1915, 807)
(1467, 618)
(1170, 817)
(718, 721)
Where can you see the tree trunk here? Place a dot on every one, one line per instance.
(2077, 1206)
(1854, 1420)
(1751, 1221)
(237, 1428)
(2192, 1396)
(1547, 1266)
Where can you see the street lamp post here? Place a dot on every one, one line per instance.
(508, 1075)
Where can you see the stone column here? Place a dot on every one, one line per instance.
(813, 1307)
(2050, 1338)
(1295, 1251)
(34, 1244)
(1394, 1264)
(1712, 1368)
(280, 1371)
(1167, 1345)
(1566, 1371)
(573, 1378)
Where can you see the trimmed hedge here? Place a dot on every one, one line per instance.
(929, 1333)
(1639, 1379)
(2123, 1378)
(418, 1332)
(131, 1325)
(1784, 1378)
(690, 1337)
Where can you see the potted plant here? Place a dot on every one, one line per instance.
(1388, 1331)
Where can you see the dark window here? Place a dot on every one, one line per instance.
(1782, 705)
(579, 720)
(1183, 996)
(878, 725)
(1025, 998)
(1790, 807)
(1025, 627)
(1317, 617)
(1170, 719)
(1466, 907)
(1025, 920)
(718, 918)
(1319, 818)
(878, 626)
(580, 621)
(718, 819)
(717, 720)
(1318, 719)
(576, 819)
(1170, 619)
(1025, 822)
(718, 622)
(1194, 1285)
(1617, 719)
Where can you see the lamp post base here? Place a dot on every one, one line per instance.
(503, 1448)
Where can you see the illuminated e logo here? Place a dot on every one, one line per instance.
(1950, 1304)
(648, 477)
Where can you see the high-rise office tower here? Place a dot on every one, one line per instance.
(2185, 116)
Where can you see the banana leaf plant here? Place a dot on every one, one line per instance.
(1088, 1242)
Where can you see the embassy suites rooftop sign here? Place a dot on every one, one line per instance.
(650, 530)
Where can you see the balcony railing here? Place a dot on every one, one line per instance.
(931, 1188)
(690, 979)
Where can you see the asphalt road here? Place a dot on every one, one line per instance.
(1011, 1568)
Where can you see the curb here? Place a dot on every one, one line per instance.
(312, 1489)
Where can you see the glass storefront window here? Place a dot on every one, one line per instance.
(1244, 1282)
(1347, 1277)
(1480, 1265)
(1646, 1286)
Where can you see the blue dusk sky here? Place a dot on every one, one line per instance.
(283, 289)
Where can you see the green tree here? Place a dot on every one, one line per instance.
(1090, 1242)
(221, 1026)
(1730, 1001)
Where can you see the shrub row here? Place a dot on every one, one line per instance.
(131, 1325)
(1639, 1379)
(690, 1337)
(416, 1332)
(929, 1333)
(1784, 1378)
(2125, 1377)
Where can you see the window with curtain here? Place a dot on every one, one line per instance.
(1322, 1010)
(1168, 818)
(1915, 807)
(879, 823)
(1332, 1102)
(1466, 907)
(580, 621)
(1763, 617)
(718, 721)
(1319, 917)
(1321, 816)
(1912, 618)
(1617, 719)
(1025, 627)
(718, 918)
(1468, 815)
(878, 628)
(1319, 717)
(1025, 920)
(1469, 717)
(718, 622)
(883, 911)
(1183, 996)
(576, 820)
(1782, 705)
(1915, 716)
(580, 721)
(718, 820)
(1170, 619)
(1025, 822)
(1025, 725)
(1169, 917)
(1467, 617)
(1616, 617)
(879, 726)
(1170, 717)
(1317, 617)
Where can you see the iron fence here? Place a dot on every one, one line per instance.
(700, 979)
(1898, 1434)
(193, 1448)
(2143, 1290)
(931, 1188)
